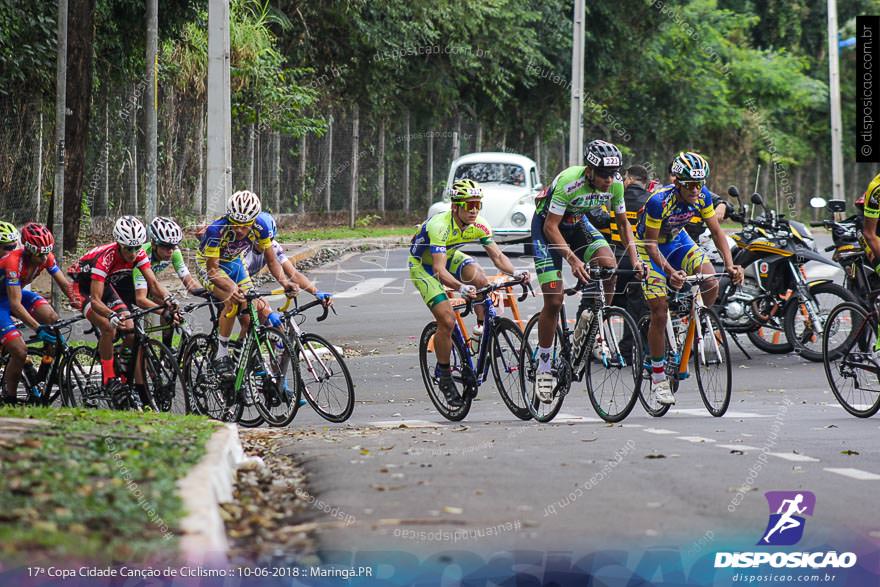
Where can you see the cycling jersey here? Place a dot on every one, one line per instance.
(255, 261)
(176, 261)
(440, 232)
(664, 210)
(219, 239)
(105, 263)
(872, 198)
(14, 270)
(571, 196)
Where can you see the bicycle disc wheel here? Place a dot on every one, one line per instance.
(427, 361)
(799, 327)
(853, 373)
(506, 341)
(273, 377)
(528, 367)
(162, 378)
(647, 399)
(209, 396)
(614, 371)
(83, 385)
(712, 363)
(327, 384)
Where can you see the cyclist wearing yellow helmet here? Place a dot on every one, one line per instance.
(431, 268)
(9, 237)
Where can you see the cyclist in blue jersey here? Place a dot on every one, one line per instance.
(221, 270)
(668, 251)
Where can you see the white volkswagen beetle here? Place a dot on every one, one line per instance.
(510, 183)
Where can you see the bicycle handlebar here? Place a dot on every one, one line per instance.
(297, 309)
(484, 291)
(599, 274)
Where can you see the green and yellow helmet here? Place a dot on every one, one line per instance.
(690, 166)
(464, 190)
(8, 233)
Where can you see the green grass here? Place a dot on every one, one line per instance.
(94, 485)
(342, 232)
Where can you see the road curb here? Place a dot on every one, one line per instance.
(205, 487)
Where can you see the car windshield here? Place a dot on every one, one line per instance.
(492, 173)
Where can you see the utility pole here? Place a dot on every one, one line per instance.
(60, 119)
(837, 191)
(576, 122)
(219, 184)
(151, 107)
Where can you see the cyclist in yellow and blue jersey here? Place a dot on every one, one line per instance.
(435, 261)
(669, 252)
(221, 270)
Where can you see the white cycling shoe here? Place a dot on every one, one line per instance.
(662, 392)
(544, 384)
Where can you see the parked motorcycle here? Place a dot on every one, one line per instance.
(776, 307)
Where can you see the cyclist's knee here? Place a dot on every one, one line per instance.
(16, 348)
(445, 322)
(553, 302)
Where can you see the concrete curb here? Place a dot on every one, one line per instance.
(205, 487)
(299, 253)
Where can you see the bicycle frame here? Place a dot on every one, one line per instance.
(480, 372)
(693, 335)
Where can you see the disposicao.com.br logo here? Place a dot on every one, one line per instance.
(785, 527)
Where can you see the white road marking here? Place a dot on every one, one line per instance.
(702, 412)
(742, 447)
(659, 431)
(696, 439)
(365, 287)
(790, 456)
(855, 474)
(572, 418)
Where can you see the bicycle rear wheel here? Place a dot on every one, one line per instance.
(209, 395)
(614, 370)
(649, 402)
(799, 327)
(32, 366)
(427, 362)
(712, 363)
(852, 371)
(528, 367)
(83, 383)
(273, 378)
(327, 384)
(506, 342)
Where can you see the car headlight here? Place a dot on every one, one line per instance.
(518, 218)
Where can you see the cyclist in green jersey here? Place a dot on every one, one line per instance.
(431, 268)
(870, 240)
(560, 229)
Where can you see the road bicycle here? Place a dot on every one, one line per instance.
(692, 329)
(265, 385)
(497, 348)
(608, 357)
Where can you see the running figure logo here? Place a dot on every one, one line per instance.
(786, 524)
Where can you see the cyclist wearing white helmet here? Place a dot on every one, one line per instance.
(104, 279)
(221, 270)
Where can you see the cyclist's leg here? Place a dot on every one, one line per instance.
(467, 270)
(435, 298)
(655, 296)
(692, 260)
(593, 249)
(10, 338)
(106, 331)
(548, 266)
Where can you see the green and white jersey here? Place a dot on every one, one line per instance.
(571, 196)
(158, 266)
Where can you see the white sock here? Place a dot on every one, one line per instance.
(223, 347)
(545, 355)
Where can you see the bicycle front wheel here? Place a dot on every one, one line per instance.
(614, 367)
(646, 397)
(327, 384)
(427, 361)
(83, 385)
(506, 341)
(162, 378)
(528, 368)
(209, 395)
(848, 355)
(273, 378)
(712, 363)
(800, 328)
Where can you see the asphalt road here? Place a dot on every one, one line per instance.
(397, 476)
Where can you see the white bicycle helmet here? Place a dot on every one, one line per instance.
(129, 232)
(164, 231)
(243, 207)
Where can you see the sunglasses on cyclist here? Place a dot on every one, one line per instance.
(10, 247)
(133, 249)
(692, 185)
(476, 205)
